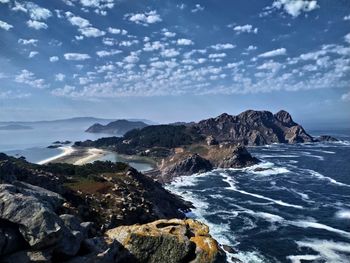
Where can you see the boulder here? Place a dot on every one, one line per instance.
(171, 241)
(326, 138)
(10, 239)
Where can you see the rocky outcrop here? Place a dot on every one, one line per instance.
(119, 127)
(254, 128)
(326, 138)
(171, 241)
(239, 158)
(189, 165)
(39, 225)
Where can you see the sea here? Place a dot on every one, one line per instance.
(294, 206)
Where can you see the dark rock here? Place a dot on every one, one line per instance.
(326, 138)
(254, 128)
(239, 158)
(189, 165)
(229, 249)
(10, 239)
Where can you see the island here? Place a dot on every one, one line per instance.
(14, 127)
(118, 127)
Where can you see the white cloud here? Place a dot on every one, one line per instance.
(347, 18)
(33, 54)
(167, 33)
(223, 46)
(99, 4)
(54, 59)
(5, 25)
(295, 7)
(131, 59)
(28, 41)
(169, 53)
(346, 96)
(245, 29)
(217, 55)
(197, 8)
(156, 45)
(184, 42)
(145, 18)
(77, 20)
(117, 31)
(347, 38)
(274, 53)
(250, 48)
(4, 1)
(91, 32)
(60, 77)
(105, 53)
(76, 56)
(63, 92)
(36, 24)
(36, 12)
(28, 78)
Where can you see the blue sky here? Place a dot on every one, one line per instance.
(174, 60)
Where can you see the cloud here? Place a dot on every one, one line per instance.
(295, 7)
(76, 56)
(100, 4)
(64, 92)
(33, 54)
(28, 78)
(346, 96)
(245, 29)
(223, 46)
(36, 12)
(250, 48)
(217, 55)
(28, 41)
(54, 59)
(4, 1)
(197, 8)
(167, 33)
(105, 53)
(60, 77)
(347, 38)
(145, 18)
(274, 53)
(347, 18)
(91, 32)
(184, 42)
(131, 59)
(9, 94)
(36, 24)
(169, 53)
(5, 25)
(77, 20)
(117, 31)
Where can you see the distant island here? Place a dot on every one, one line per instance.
(13, 127)
(119, 127)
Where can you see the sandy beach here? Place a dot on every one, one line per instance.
(77, 156)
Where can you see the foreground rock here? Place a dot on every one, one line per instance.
(171, 241)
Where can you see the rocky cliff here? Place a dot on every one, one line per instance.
(119, 127)
(66, 213)
(254, 128)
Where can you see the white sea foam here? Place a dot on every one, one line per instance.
(343, 214)
(299, 258)
(329, 251)
(322, 177)
(267, 169)
(251, 257)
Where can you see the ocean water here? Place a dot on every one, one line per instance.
(295, 209)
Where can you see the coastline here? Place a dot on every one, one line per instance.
(76, 156)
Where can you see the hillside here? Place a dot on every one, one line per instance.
(119, 127)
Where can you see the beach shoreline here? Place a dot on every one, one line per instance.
(76, 156)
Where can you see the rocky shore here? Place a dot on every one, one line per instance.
(67, 213)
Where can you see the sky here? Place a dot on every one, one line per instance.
(169, 60)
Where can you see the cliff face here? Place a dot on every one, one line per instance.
(119, 127)
(254, 128)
